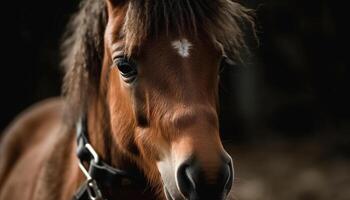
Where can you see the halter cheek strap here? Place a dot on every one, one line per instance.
(101, 179)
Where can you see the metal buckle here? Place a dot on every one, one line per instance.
(93, 191)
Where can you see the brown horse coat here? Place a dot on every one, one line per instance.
(31, 158)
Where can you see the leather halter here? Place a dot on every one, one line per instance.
(101, 179)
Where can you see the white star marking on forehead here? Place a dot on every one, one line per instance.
(183, 47)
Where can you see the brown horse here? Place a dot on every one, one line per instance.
(141, 83)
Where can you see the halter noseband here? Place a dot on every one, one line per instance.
(101, 178)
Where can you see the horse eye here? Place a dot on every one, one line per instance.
(127, 68)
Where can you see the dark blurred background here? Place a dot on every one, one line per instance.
(297, 83)
(293, 91)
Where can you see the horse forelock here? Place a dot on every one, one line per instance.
(220, 20)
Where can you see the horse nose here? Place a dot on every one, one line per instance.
(193, 184)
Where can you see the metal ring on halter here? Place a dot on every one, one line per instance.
(93, 152)
(92, 188)
(85, 172)
(94, 192)
(96, 160)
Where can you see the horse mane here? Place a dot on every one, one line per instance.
(82, 52)
(83, 46)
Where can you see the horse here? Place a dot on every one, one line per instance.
(138, 115)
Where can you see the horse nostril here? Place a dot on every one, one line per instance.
(185, 181)
(228, 177)
(192, 183)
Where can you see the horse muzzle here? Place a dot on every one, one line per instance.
(192, 181)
